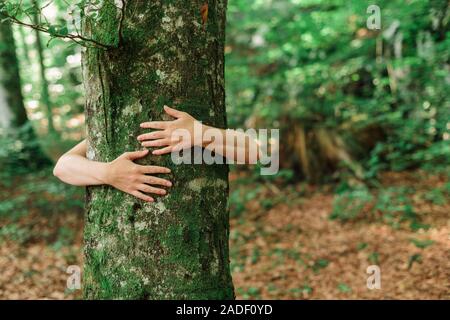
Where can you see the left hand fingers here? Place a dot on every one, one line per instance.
(154, 169)
(149, 189)
(155, 125)
(157, 181)
(152, 135)
(162, 151)
(157, 143)
(173, 112)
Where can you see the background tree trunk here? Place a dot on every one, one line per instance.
(45, 96)
(12, 109)
(13, 116)
(178, 246)
(23, 39)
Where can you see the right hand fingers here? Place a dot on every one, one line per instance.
(173, 112)
(142, 196)
(135, 155)
(155, 125)
(156, 143)
(157, 181)
(149, 189)
(151, 136)
(154, 169)
(160, 152)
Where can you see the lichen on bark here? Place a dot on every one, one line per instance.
(176, 248)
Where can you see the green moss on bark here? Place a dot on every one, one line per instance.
(178, 246)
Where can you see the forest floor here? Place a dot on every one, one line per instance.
(284, 248)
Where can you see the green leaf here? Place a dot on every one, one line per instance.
(361, 246)
(344, 288)
(422, 244)
(414, 258)
(52, 30)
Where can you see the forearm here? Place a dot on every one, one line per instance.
(186, 132)
(236, 146)
(79, 171)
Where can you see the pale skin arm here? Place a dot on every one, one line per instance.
(239, 143)
(123, 174)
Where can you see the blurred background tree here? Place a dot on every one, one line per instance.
(345, 97)
(21, 149)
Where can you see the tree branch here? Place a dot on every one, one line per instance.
(74, 37)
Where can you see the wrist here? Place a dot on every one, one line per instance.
(205, 142)
(104, 173)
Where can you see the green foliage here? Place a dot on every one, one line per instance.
(342, 287)
(13, 208)
(303, 290)
(238, 199)
(350, 204)
(415, 258)
(316, 64)
(20, 152)
(422, 244)
(374, 258)
(320, 264)
(438, 196)
(250, 293)
(13, 232)
(391, 205)
(31, 13)
(361, 246)
(28, 199)
(64, 238)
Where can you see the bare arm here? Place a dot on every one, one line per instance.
(75, 169)
(123, 174)
(232, 144)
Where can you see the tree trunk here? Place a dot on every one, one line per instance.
(176, 248)
(12, 109)
(316, 153)
(23, 38)
(45, 96)
(13, 116)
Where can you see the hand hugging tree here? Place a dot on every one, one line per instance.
(138, 56)
(176, 247)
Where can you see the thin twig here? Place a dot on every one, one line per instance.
(73, 37)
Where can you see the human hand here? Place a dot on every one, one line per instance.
(134, 179)
(168, 135)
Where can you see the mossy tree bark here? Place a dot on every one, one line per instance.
(176, 248)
